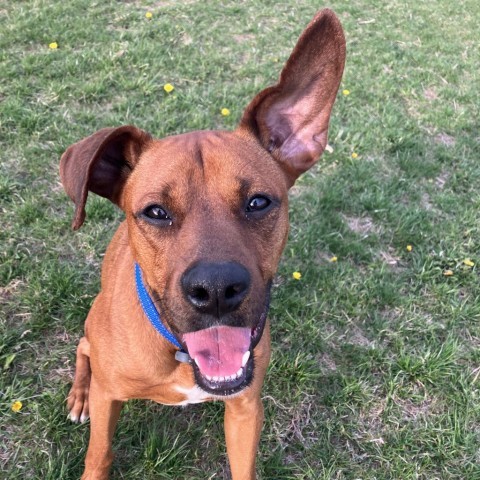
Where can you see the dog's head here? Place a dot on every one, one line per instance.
(207, 211)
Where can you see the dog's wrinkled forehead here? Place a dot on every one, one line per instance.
(204, 164)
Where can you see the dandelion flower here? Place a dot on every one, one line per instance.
(409, 248)
(17, 406)
(468, 262)
(334, 259)
(297, 275)
(354, 155)
(168, 87)
(225, 112)
(346, 92)
(53, 45)
(149, 15)
(447, 273)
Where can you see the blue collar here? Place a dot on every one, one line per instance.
(152, 314)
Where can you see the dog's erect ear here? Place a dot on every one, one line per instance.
(100, 163)
(291, 118)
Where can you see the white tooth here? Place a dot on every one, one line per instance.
(245, 358)
(196, 361)
(209, 378)
(221, 379)
(215, 378)
(239, 373)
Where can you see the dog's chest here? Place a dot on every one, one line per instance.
(192, 395)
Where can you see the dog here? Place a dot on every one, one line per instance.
(182, 312)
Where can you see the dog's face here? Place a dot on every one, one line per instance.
(207, 211)
(208, 233)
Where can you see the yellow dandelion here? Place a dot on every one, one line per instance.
(297, 275)
(468, 262)
(17, 406)
(334, 259)
(354, 155)
(346, 92)
(168, 87)
(149, 15)
(53, 45)
(225, 112)
(409, 248)
(447, 273)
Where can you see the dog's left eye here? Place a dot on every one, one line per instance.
(258, 203)
(156, 212)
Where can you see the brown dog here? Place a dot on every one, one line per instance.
(206, 222)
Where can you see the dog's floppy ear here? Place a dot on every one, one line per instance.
(291, 118)
(100, 163)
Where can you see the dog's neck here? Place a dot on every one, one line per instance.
(152, 314)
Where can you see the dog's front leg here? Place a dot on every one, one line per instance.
(244, 417)
(104, 413)
(243, 424)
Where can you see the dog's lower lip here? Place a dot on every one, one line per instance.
(224, 385)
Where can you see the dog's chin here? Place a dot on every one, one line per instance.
(233, 384)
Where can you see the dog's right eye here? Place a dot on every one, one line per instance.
(156, 212)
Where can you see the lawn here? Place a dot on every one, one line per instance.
(376, 347)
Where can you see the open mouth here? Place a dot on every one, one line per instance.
(222, 357)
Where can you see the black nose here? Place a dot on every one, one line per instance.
(216, 288)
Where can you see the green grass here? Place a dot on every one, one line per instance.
(376, 364)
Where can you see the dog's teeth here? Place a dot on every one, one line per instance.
(245, 358)
(215, 379)
(196, 361)
(239, 373)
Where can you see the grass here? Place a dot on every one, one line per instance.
(376, 360)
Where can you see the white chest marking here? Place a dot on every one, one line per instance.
(193, 395)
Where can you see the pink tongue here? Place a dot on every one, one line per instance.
(218, 351)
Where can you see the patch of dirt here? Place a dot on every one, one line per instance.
(391, 314)
(389, 258)
(301, 426)
(186, 39)
(412, 411)
(444, 139)
(298, 190)
(426, 203)
(170, 3)
(245, 37)
(370, 423)
(13, 288)
(361, 225)
(355, 336)
(441, 180)
(327, 364)
(295, 422)
(430, 94)
(323, 257)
